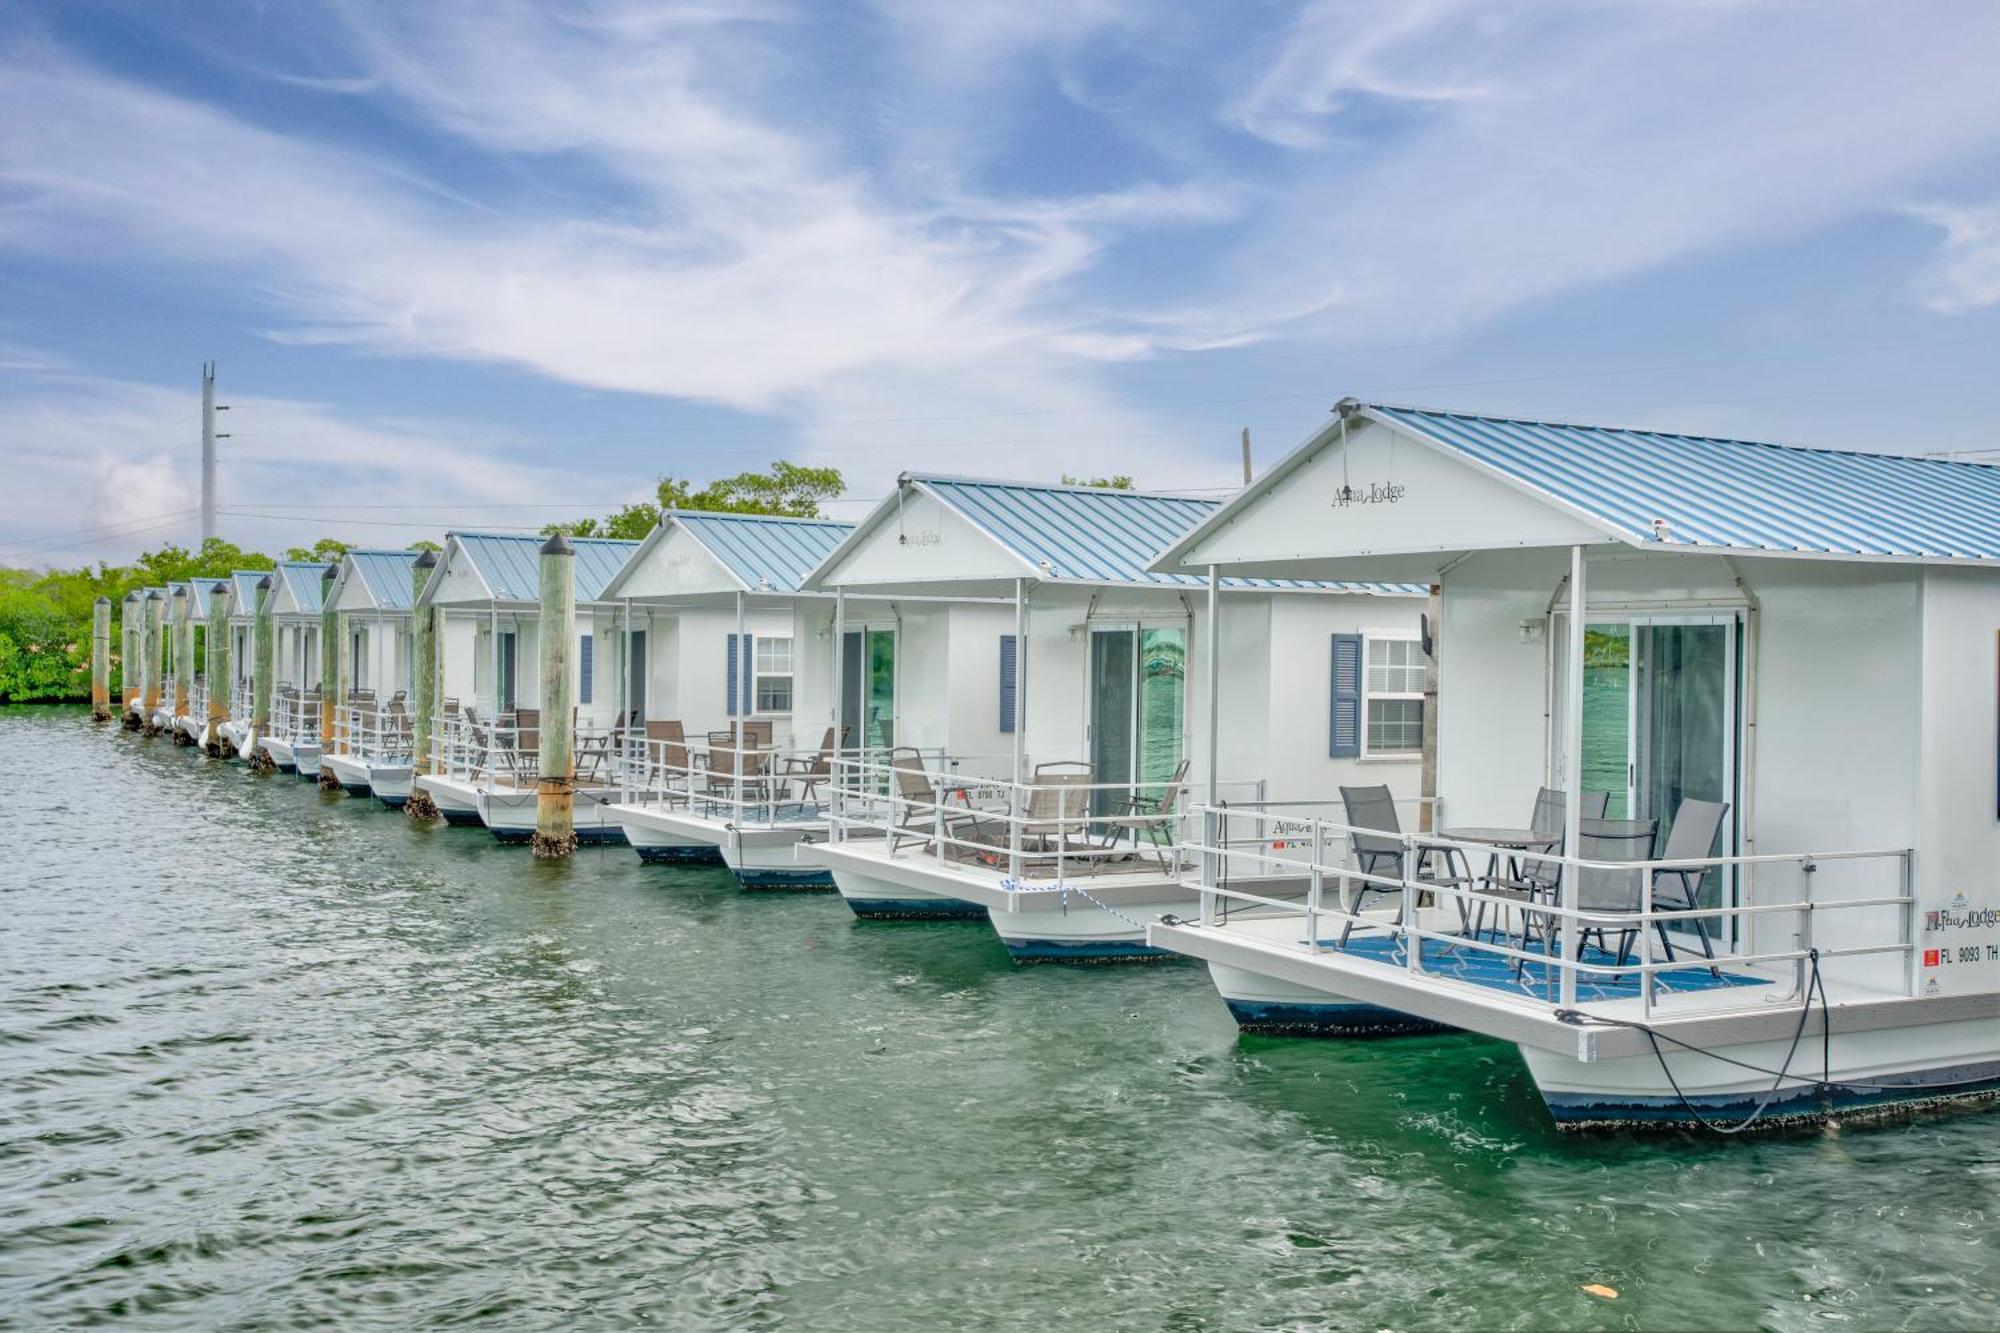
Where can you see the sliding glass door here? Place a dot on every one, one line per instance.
(1138, 709)
(868, 688)
(1659, 720)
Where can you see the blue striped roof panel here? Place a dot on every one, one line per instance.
(510, 563)
(387, 576)
(1092, 534)
(305, 581)
(1734, 494)
(768, 554)
(243, 591)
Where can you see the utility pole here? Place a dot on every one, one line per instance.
(1246, 455)
(208, 439)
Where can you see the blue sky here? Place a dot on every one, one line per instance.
(488, 264)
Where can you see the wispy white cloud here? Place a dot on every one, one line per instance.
(1965, 275)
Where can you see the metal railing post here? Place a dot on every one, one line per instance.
(1315, 884)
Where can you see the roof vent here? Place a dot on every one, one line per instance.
(1661, 532)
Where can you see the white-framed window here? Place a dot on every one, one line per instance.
(1393, 697)
(774, 674)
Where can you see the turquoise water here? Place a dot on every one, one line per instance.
(270, 1058)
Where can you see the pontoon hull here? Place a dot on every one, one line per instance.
(1871, 1073)
(659, 839)
(349, 771)
(760, 856)
(510, 816)
(305, 760)
(1269, 1007)
(390, 783)
(281, 754)
(873, 898)
(456, 799)
(1055, 928)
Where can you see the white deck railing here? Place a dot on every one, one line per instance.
(373, 731)
(1318, 851)
(1040, 835)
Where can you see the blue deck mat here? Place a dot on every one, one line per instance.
(1495, 972)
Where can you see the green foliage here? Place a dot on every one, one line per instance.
(45, 615)
(324, 551)
(788, 490)
(1121, 481)
(425, 544)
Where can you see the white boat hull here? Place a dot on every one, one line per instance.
(391, 783)
(457, 799)
(874, 898)
(350, 771)
(1867, 1071)
(660, 839)
(509, 814)
(1272, 1007)
(281, 754)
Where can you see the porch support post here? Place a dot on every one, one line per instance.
(746, 694)
(839, 665)
(149, 663)
(100, 660)
(1020, 678)
(555, 783)
(1213, 670)
(423, 686)
(1579, 601)
(260, 688)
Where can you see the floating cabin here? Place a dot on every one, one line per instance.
(242, 630)
(372, 596)
(486, 595)
(297, 587)
(1783, 751)
(1036, 684)
(720, 643)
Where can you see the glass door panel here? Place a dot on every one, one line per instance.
(868, 687)
(1686, 725)
(635, 676)
(1607, 711)
(1113, 695)
(1162, 705)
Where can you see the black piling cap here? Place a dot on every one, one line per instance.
(153, 596)
(264, 584)
(221, 587)
(427, 559)
(102, 600)
(557, 544)
(330, 573)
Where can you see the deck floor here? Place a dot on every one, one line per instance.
(1491, 971)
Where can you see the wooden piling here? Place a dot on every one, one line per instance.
(220, 668)
(131, 618)
(423, 687)
(100, 660)
(262, 634)
(555, 786)
(183, 663)
(149, 692)
(331, 651)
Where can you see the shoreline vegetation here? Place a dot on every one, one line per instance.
(45, 613)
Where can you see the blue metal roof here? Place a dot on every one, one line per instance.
(510, 563)
(304, 580)
(1738, 495)
(764, 553)
(243, 591)
(386, 574)
(1093, 534)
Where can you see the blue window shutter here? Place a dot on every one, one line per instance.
(1008, 679)
(749, 674)
(583, 666)
(1344, 740)
(731, 687)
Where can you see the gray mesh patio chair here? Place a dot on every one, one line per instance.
(1154, 818)
(1382, 852)
(917, 799)
(1612, 890)
(1697, 825)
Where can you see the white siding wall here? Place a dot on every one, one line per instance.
(1959, 848)
(1301, 698)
